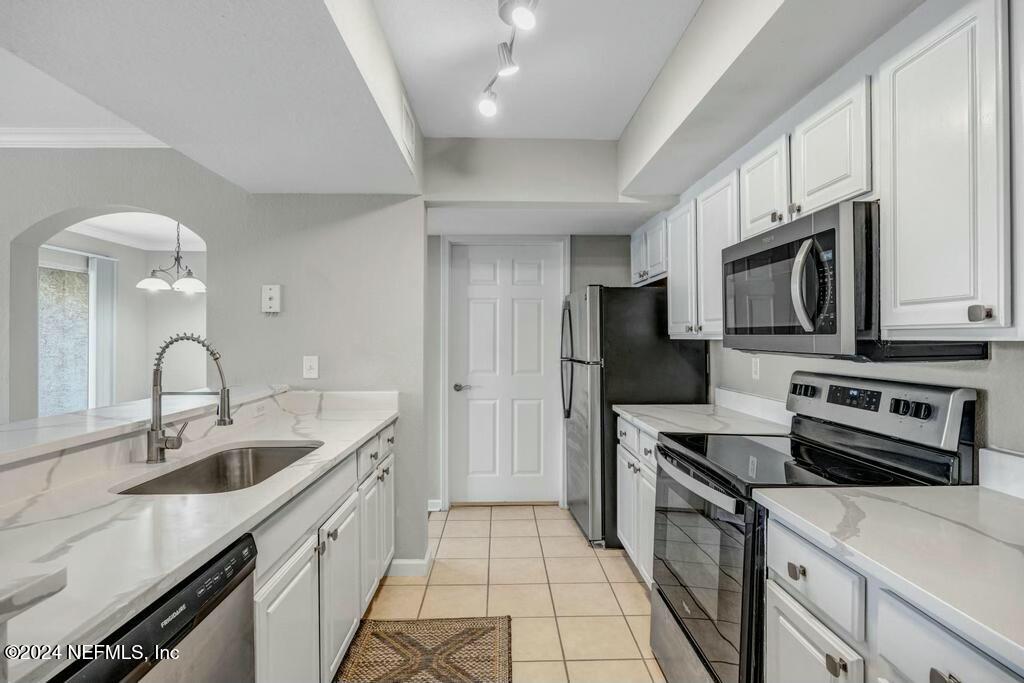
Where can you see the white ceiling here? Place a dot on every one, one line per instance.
(562, 220)
(583, 70)
(148, 231)
(264, 93)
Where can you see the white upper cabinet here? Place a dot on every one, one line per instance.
(764, 189)
(656, 244)
(831, 152)
(648, 249)
(637, 256)
(682, 276)
(717, 226)
(944, 176)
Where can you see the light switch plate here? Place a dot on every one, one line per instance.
(311, 367)
(270, 298)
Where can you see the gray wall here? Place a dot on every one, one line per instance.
(351, 267)
(599, 260)
(1000, 378)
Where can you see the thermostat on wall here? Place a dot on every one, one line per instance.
(270, 299)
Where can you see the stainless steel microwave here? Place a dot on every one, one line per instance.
(811, 287)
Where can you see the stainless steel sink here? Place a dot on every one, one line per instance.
(230, 470)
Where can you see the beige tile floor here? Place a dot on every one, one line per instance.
(578, 614)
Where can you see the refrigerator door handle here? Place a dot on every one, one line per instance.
(566, 328)
(567, 395)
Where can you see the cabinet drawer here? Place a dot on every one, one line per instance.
(628, 435)
(916, 646)
(369, 456)
(647, 449)
(387, 440)
(821, 581)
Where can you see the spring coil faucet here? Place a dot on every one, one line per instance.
(158, 442)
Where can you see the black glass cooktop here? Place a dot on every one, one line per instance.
(747, 462)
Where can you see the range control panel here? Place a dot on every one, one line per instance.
(864, 399)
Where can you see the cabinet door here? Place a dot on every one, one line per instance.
(287, 620)
(831, 152)
(943, 148)
(387, 513)
(682, 271)
(656, 244)
(341, 604)
(369, 538)
(717, 227)
(638, 255)
(624, 505)
(644, 523)
(764, 189)
(800, 649)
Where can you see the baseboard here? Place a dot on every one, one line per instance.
(433, 505)
(415, 567)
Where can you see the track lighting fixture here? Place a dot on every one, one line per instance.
(506, 65)
(488, 104)
(518, 13)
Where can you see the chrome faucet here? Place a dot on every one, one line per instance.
(160, 443)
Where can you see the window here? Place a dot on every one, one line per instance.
(63, 340)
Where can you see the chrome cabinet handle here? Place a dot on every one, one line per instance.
(622, 434)
(796, 571)
(374, 455)
(978, 313)
(320, 548)
(776, 216)
(836, 665)
(648, 451)
(391, 440)
(795, 208)
(380, 476)
(689, 328)
(700, 328)
(461, 387)
(936, 676)
(333, 535)
(387, 471)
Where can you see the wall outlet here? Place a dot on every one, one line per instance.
(311, 367)
(755, 367)
(270, 298)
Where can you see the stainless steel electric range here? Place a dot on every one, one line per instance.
(707, 618)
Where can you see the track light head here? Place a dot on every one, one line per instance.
(506, 65)
(488, 104)
(518, 13)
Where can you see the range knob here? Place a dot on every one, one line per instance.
(920, 411)
(899, 406)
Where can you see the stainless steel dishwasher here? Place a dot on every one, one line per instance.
(207, 619)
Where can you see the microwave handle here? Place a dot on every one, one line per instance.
(699, 488)
(796, 286)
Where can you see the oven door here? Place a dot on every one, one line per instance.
(781, 293)
(705, 543)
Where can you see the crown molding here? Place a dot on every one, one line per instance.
(77, 138)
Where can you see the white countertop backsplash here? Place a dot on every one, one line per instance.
(123, 552)
(956, 552)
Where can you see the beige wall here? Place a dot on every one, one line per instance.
(599, 260)
(351, 268)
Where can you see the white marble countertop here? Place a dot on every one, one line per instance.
(30, 438)
(697, 418)
(123, 552)
(956, 552)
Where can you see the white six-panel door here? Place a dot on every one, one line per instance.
(504, 425)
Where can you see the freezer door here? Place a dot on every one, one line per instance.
(583, 450)
(582, 324)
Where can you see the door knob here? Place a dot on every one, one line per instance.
(462, 387)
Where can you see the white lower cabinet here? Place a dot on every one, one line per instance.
(286, 619)
(624, 504)
(800, 649)
(341, 604)
(370, 540)
(634, 503)
(387, 516)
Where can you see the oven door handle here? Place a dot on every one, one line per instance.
(796, 290)
(699, 488)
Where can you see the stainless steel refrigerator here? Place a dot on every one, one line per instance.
(616, 350)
